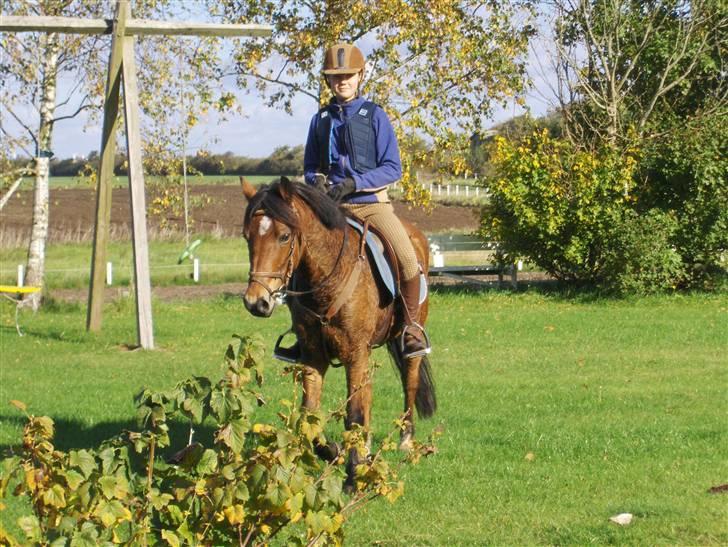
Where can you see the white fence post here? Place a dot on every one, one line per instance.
(196, 270)
(21, 275)
(448, 189)
(109, 273)
(467, 191)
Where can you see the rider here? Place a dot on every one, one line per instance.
(354, 156)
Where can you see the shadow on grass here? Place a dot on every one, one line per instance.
(75, 435)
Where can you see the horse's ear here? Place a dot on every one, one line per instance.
(287, 189)
(248, 189)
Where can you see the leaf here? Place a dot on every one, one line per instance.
(277, 494)
(208, 462)
(83, 460)
(55, 496)
(86, 537)
(20, 405)
(170, 537)
(73, 479)
(235, 514)
(108, 486)
(30, 527)
(233, 435)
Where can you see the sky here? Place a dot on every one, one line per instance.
(260, 130)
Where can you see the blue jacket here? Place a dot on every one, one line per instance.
(388, 169)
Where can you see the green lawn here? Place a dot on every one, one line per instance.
(68, 265)
(558, 413)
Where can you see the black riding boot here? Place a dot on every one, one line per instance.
(415, 341)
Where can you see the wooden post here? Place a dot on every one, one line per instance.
(106, 171)
(122, 70)
(142, 282)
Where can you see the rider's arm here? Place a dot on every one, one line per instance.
(311, 154)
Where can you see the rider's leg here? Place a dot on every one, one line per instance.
(382, 217)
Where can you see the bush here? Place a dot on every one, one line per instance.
(555, 205)
(642, 259)
(257, 481)
(687, 170)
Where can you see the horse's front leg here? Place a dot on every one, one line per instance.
(313, 384)
(358, 408)
(411, 381)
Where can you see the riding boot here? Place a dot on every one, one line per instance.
(415, 341)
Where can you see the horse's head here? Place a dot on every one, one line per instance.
(275, 221)
(271, 228)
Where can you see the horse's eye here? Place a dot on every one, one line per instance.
(284, 238)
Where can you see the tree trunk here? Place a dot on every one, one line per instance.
(35, 272)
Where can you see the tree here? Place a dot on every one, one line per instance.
(437, 68)
(179, 79)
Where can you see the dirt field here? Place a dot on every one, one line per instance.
(72, 214)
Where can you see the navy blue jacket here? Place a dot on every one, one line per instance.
(388, 169)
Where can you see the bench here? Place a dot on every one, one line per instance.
(464, 273)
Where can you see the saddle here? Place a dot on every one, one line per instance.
(385, 268)
(383, 259)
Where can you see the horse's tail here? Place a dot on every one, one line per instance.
(425, 400)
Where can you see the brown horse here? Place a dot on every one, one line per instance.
(339, 309)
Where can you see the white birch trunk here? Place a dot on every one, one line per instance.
(35, 272)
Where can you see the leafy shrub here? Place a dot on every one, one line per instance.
(255, 482)
(687, 170)
(641, 258)
(556, 205)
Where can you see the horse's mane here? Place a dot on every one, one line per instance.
(269, 198)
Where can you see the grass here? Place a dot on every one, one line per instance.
(68, 265)
(558, 413)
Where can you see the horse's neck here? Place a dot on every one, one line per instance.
(322, 250)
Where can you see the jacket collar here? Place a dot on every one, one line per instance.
(346, 110)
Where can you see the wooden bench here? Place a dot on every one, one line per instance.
(7, 290)
(465, 273)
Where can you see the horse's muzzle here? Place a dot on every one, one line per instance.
(260, 306)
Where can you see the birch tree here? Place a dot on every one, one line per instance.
(172, 71)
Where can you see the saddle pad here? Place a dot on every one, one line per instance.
(375, 248)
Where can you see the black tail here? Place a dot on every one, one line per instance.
(425, 400)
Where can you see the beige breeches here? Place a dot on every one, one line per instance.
(382, 217)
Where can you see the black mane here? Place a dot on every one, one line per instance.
(269, 199)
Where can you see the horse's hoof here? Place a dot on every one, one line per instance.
(349, 487)
(405, 443)
(329, 452)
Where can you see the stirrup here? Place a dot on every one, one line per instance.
(291, 354)
(418, 353)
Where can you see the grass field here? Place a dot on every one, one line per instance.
(68, 265)
(558, 412)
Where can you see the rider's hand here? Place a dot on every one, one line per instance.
(320, 182)
(339, 191)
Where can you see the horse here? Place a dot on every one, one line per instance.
(298, 236)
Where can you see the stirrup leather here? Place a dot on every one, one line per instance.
(290, 354)
(427, 349)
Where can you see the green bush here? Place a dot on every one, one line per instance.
(687, 174)
(641, 258)
(555, 205)
(256, 481)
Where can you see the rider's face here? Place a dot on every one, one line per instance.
(344, 86)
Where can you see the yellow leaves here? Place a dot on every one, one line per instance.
(235, 514)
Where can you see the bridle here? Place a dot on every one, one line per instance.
(281, 292)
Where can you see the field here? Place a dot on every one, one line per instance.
(558, 412)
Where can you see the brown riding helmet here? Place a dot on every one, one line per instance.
(343, 59)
